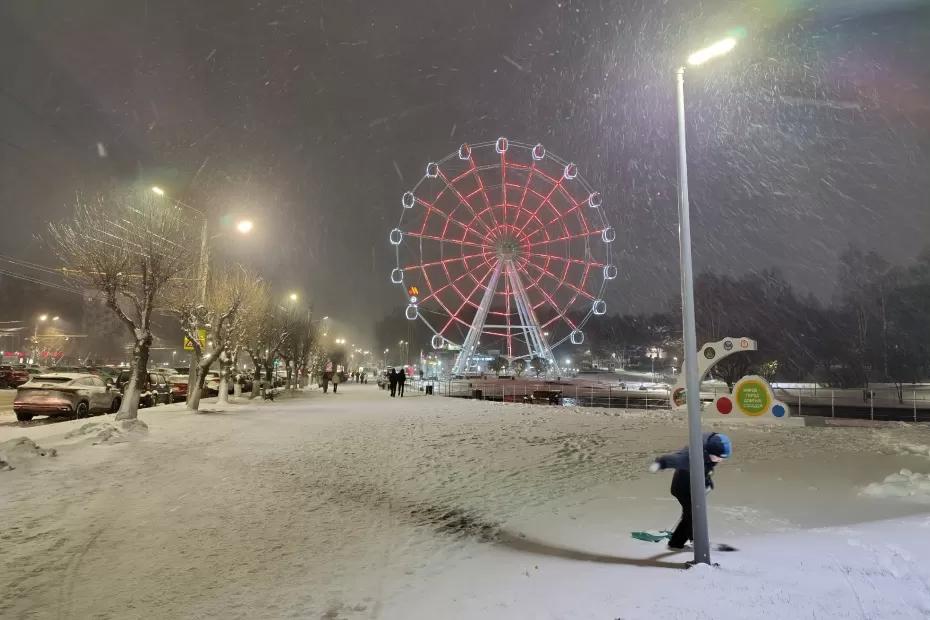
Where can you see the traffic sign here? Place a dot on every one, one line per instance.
(201, 336)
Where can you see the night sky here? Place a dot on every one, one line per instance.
(314, 118)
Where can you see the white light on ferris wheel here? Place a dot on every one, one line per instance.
(501, 145)
(397, 276)
(438, 341)
(577, 337)
(570, 172)
(594, 200)
(396, 236)
(608, 235)
(465, 152)
(610, 272)
(539, 152)
(432, 170)
(599, 307)
(408, 200)
(411, 312)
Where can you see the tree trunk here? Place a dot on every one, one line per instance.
(195, 390)
(129, 406)
(256, 381)
(191, 376)
(223, 395)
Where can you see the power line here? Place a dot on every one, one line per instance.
(40, 282)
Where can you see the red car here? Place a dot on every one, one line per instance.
(178, 384)
(13, 376)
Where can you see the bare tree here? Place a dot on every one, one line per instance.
(131, 246)
(251, 313)
(262, 340)
(299, 342)
(225, 294)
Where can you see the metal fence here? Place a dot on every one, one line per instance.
(570, 394)
(881, 404)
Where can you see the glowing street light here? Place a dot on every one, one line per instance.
(245, 226)
(692, 381)
(159, 191)
(293, 297)
(719, 48)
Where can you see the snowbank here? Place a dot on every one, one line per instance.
(905, 484)
(105, 432)
(19, 450)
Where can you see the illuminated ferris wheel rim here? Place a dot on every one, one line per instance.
(500, 251)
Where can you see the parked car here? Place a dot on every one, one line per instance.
(13, 376)
(65, 394)
(153, 391)
(178, 387)
(212, 384)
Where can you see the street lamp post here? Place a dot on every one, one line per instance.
(692, 381)
(242, 226)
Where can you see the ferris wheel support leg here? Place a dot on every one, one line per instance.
(477, 325)
(536, 341)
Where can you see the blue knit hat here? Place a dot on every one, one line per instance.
(720, 445)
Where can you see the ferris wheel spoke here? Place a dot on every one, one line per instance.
(465, 203)
(452, 282)
(573, 261)
(444, 240)
(547, 200)
(568, 238)
(473, 169)
(432, 209)
(562, 282)
(445, 261)
(466, 300)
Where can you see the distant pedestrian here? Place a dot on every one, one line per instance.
(325, 382)
(401, 380)
(336, 380)
(392, 382)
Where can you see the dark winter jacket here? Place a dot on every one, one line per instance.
(679, 461)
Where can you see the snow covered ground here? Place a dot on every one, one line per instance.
(354, 505)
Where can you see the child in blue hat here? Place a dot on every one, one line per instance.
(717, 447)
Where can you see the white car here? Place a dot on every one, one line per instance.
(69, 394)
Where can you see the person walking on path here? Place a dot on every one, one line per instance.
(392, 382)
(325, 382)
(336, 380)
(717, 447)
(401, 380)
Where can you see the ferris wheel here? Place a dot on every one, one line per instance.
(504, 245)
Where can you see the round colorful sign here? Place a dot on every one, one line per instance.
(752, 397)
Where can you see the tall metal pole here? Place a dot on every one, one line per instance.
(692, 382)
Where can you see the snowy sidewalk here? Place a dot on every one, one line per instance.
(356, 505)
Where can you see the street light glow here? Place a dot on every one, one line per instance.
(244, 226)
(43, 317)
(293, 296)
(158, 190)
(54, 318)
(719, 48)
